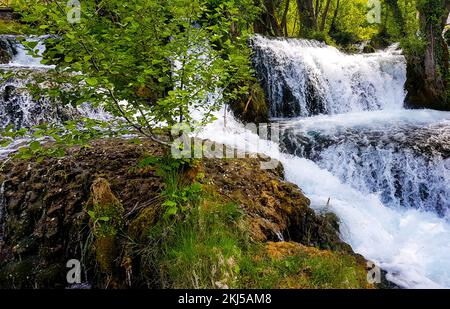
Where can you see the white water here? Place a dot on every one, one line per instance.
(402, 156)
(360, 96)
(412, 245)
(304, 78)
(17, 105)
(22, 58)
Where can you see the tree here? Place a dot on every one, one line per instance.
(150, 62)
(308, 18)
(428, 69)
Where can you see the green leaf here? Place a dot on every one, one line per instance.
(92, 81)
(35, 146)
(170, 204)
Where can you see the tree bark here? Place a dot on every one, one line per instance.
(428, 75)
(284, 19)
(324, 15)
(267, 23)
(308, 21)
(333, 27)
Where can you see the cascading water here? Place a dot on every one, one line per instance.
(19, 54)
(18, 107)
(304, 78)
(383, 169)
(405, 161)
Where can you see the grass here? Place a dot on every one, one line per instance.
(305, 269)
(202, 251)
(207, 245)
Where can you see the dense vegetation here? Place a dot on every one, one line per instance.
(155, 62)
(128, 51)
(417, 24)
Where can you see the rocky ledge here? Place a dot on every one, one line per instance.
(44, 222)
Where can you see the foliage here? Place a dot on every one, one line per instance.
(300, 268)
(147, 61)
(179, 195)
(50, 140)
(211, 248)
(208, 244)
(12, 27)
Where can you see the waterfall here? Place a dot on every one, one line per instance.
(21, 110)
(19, 54)
(385, 170)
(304, 78)
(18, 107)
(406, 160)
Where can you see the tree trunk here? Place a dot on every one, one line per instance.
(308, 21)
(324, 16)
(284, 19)
(333, 27)
(428, 75)
(267, 23)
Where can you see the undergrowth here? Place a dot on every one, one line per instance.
(12, 27)
(205, 243)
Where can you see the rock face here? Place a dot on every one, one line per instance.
(44, 203)
(45, 221)
(7, 49)
(251, 107)
(277, 209)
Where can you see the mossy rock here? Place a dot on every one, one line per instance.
(251, 107)
(18, 274)
(106, 221)
(290, 265)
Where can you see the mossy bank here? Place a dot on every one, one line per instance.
(136, 219)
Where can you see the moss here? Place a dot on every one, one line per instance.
(106, 221)
(217, 240)
(146, 218)
(12, 27)
(292, 265)
(252, 106)
(107, 211)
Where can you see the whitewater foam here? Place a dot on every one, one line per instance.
(411, 245)
(305, 78)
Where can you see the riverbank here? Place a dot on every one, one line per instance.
(106, 205)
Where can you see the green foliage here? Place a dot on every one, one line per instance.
(179, 195)
(99, 223)
(202, 251)
(146, 61)
(413, 46)
(12, 27)
(210, 248)
(51, 140)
